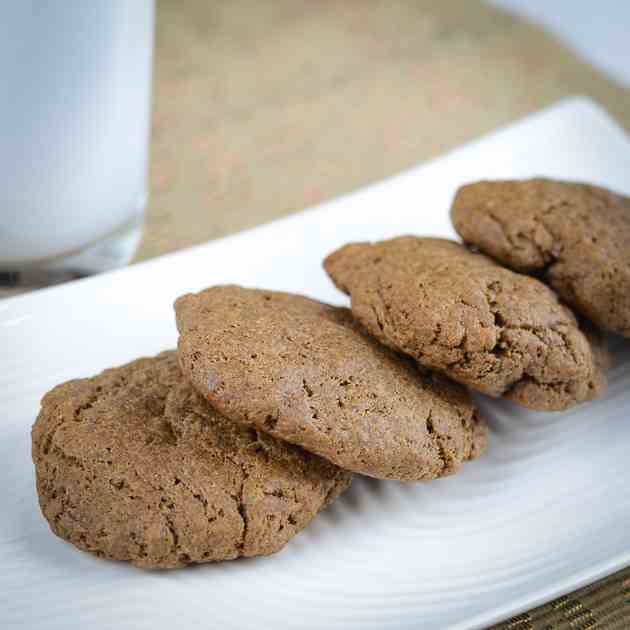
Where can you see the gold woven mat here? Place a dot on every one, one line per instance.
(605, 605)
(264, 108)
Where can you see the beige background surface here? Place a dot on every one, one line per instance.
(264, 108)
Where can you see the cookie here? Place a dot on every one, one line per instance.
(134, 465)
(575, 236)
(303, 371)
(502, 333)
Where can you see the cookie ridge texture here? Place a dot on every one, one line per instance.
(575, 236)
(305, 372)
(452, 310)
(134, 465)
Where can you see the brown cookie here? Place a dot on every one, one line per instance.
(575, 236)
(134, 465)
(452, 310)
(304, 372)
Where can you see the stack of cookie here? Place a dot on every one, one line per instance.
(230, 445)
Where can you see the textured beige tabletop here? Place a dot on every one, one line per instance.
(264, 108)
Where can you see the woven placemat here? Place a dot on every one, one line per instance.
(605, 604)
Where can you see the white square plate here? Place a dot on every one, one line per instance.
(542, 513)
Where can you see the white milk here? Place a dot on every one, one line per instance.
(75, 84)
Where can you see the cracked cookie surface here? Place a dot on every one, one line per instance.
(575, 236)
(134, 465)
(305, 372)
(502, 333)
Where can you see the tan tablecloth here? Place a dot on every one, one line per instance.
(263, 108)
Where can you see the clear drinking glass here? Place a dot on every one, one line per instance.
(75, 93)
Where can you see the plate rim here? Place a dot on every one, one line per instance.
(571, 582)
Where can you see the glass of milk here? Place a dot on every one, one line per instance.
(75, 94)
